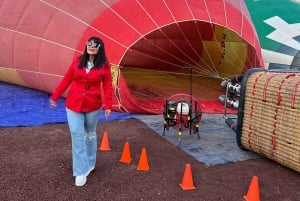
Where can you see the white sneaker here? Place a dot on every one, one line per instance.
(82, 179)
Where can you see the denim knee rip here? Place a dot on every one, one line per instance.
(91, 135)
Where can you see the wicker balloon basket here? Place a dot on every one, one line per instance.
(269, 116)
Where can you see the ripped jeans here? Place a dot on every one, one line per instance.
(84, 139)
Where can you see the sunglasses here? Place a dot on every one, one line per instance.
(93, 44)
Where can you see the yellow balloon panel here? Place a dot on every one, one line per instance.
(11, 76)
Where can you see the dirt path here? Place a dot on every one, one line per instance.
(36, 165)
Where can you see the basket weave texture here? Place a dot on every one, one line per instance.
(271, 122)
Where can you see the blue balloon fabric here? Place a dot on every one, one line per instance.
(21, 106)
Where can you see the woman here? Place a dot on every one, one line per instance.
(85, 77)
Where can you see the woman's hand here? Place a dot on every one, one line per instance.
(52, 103)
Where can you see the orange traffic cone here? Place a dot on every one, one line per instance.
(187, 179)
(253, 191)
(143, 162)
(105, 143)
(126, 158)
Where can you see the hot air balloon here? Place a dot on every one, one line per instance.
(149, 45)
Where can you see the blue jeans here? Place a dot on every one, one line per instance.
(84, 139)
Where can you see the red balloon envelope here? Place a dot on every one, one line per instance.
(216, 38)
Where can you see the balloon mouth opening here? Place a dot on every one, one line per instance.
(157, 64)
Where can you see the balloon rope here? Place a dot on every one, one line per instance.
(152, 43)
(198, 32)
(30, 71)
(182, 33)
(165, 35)
(79, 20)
(39, 38)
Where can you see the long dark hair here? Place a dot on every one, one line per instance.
(100, 59)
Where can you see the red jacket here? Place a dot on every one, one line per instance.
(85, 88)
